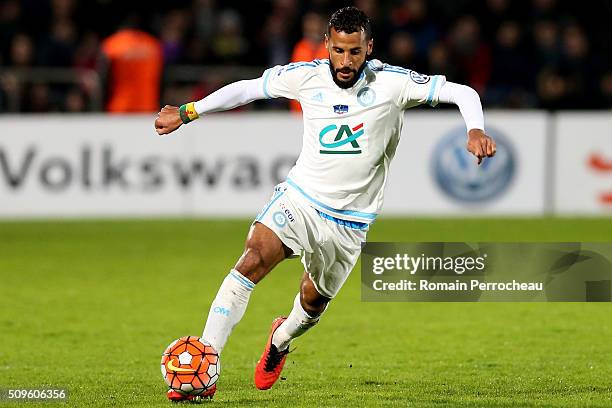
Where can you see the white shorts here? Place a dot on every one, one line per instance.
(329, 246)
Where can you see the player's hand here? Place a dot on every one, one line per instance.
(168, 120)
(480, 145)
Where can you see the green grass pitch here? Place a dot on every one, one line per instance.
(90, 306)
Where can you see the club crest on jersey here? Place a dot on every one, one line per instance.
(279, 219)
(340, 109)
(340, 140)
(366, 96)
(419, 78)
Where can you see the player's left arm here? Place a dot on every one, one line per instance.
(479, 143)
(419, 89)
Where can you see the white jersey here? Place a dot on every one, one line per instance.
(350, 135)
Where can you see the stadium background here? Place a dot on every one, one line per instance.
(545, 54)
(114, 241)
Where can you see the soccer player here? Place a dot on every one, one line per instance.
(353, 111)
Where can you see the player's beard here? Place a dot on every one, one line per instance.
(348, 84)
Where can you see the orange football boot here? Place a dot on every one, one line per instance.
(271, 362)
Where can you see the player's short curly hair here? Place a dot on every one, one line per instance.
(350, 20)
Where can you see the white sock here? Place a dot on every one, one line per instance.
(227, 309)
(296, 324)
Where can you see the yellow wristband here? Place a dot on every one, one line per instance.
(188, 112)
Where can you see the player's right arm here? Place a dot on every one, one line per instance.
(279, 81)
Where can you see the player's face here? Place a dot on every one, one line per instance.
(347, 55)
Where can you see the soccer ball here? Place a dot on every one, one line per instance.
(190, 366)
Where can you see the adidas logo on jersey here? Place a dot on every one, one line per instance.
(317, 97)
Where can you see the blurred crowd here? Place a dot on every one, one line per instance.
(71, 56)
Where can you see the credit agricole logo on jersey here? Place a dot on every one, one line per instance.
(340, 140)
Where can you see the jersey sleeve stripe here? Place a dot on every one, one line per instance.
(300, 65)
(395, 71)
(265, 83)
(432, 89)
(394, 67)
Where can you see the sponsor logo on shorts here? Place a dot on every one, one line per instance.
(287, 212)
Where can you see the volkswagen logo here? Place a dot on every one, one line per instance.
(457, 175)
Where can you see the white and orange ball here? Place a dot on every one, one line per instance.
(190, 366)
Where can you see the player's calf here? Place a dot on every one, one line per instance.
(297, 323)
(308, 306)
(313, 303)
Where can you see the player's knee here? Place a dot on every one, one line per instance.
(313, 302)
(251, 264)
